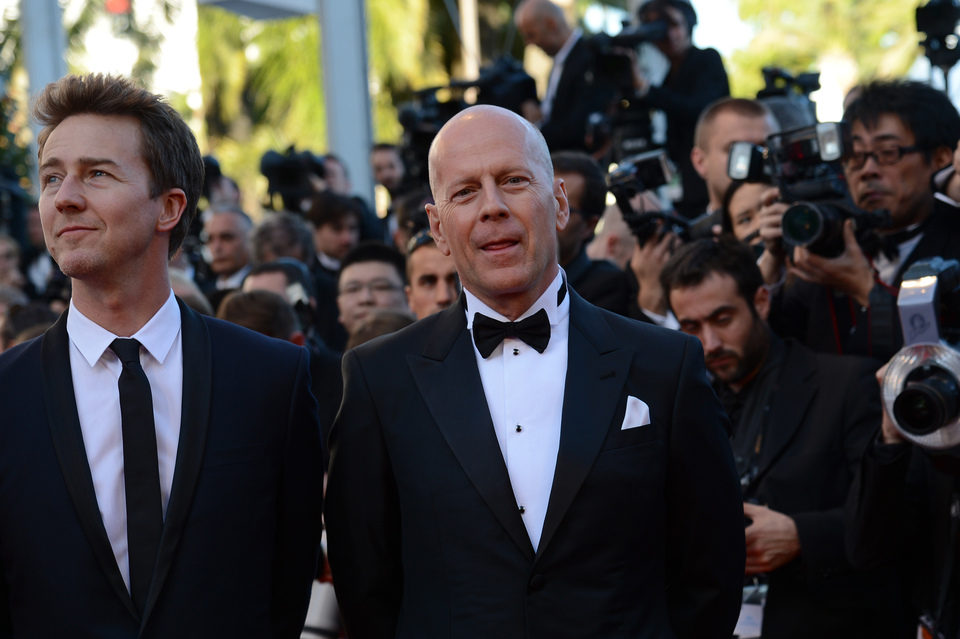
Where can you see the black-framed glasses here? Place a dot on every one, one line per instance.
(887, 155)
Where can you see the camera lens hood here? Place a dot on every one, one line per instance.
(919, 391)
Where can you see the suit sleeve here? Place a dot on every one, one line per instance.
(706, 551)
(299, 508)
(821, 533)
(363, 515)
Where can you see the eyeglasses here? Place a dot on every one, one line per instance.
(379, 287)
(883, 156)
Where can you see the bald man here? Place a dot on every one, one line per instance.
(576, 88)
(525, 464)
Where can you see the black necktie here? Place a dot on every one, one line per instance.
(141, 474)
(488, 332)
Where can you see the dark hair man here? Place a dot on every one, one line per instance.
(903, 133)
(576, 88)
(336, 229)
(226, 236)
(155, 485)
(265, 312)
(388, 168)
(371, 277)
(599, 282)
(800, 421)
(538, 468)
(433, 283)
(696, 78)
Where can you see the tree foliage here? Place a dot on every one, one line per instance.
(877, 38)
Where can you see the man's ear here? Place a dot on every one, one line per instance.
(699, 160)
(761, 302)
(298, 338)
(436, 229)
(563, 205)
(942, 157)
(174, 204)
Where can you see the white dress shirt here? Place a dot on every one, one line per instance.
(558, 60)
(524, 392)
(96, 371)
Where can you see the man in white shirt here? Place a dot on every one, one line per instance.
(525, 464)
(152, 486)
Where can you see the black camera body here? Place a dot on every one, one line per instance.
(805, 165)
(646, 171)
(921, 388)
(289, 175)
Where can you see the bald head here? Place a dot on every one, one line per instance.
(498, 207)
(480, 118)
(542, 23)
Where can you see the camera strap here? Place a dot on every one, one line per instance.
(949, 565)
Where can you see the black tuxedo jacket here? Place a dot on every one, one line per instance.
(822, 415)
(241, 534)
(643, 535)
(581, 90)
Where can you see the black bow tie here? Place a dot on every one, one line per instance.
(488, 332)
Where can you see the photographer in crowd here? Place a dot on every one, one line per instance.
(696, 78)
(905, 506)
(902, 134)
(800, 421)
(575, 89)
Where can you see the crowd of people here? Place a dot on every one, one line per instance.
(562, 430)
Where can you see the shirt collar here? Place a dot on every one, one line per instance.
(557, 310)
(564, 51)
(157, 335)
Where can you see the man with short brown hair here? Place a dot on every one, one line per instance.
(155, 486)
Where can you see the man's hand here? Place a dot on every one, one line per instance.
(772, 539)
(769, 218)
(888, 431)
(646, 263)
(850, 272)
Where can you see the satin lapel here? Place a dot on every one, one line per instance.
(596, 372)
(195, 413)
(442, 372)
(61, 406)
(789, 409)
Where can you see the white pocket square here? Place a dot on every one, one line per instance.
(637, 415)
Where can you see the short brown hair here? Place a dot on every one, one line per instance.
(168, 146)
(262, 311)
(743, 107)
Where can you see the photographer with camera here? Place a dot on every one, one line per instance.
(800, 421)
(696, 78)
(902, 134)
(905, 506)
(575, 88)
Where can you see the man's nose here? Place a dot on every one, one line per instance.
(492, 204)
(69, 195)
(446, 293)
(711, 341)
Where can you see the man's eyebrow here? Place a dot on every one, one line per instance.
(83, 161)
(712, 316)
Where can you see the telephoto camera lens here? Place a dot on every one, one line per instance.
(930, 400)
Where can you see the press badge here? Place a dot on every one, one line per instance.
(751, 611)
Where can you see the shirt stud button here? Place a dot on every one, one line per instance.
(522, 510)
(516, 351)
(519, 428)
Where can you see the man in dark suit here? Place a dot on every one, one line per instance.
(576, 88)
(153, 486)
(570, 480)
(600, 282)
(800, 423)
